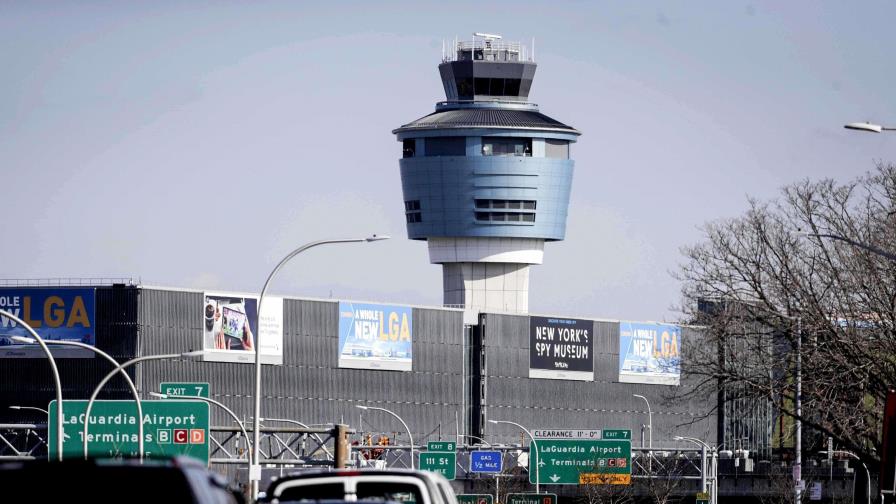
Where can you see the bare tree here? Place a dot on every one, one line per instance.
(767, 283)
(602, 489)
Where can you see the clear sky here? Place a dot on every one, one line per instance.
(194, 144)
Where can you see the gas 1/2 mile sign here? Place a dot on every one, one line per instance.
(581, 461)
(170, 428)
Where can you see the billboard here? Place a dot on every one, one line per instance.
(229, 328)
(374, 336)
(649, 353)
(561, 349)
(55, 313)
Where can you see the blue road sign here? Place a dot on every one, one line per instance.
(485, 461)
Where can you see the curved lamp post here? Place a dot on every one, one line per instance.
(55, 371)
(534, 444)
(119, 368)
(481, 441)
(649, 422)
(410, 437)
(870, 248)
(853, 455)
(714, 476)
(255, 470)
(114, 362)
(45, 412)
(302, 425)
(216, 403)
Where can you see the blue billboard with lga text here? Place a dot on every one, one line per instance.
(649, 353)
(375, 336)
(55, 313)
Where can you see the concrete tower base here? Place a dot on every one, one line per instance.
(486, 274)
(487, 287)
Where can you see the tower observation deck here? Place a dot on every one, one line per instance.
(486, 178)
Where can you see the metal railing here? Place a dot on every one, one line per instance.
(67, 281)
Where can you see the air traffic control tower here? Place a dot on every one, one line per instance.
(486, 177)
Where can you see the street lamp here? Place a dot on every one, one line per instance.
(410, 437)
(119, 368)
(55, 371)
(114, 362)
(867, 126)
(481, 441)
(302, 425)
(534, 444)
(714, 476)
(870, 248)
(649, 422)
(216, 403)
(853, 455)
(255, 470)
(45, 412)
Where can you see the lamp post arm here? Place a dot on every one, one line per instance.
(410, 436)
(254, 475)
(126, 377)
(302, 425)
(531, 458)
(216, 403)
(870, 248)
(55, 371)
(106, 379)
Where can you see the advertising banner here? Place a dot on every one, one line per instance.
(374, 336)
(561, 349)
(229, 328)
(649, 353)
(55, 313)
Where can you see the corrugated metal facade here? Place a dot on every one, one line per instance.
(509, 393)
(309, 386)
(29, 382)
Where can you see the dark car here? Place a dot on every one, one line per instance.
(180, 480)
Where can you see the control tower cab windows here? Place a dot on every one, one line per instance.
(412, 211)
(446, 146)
(408, 148)
(558, 149)
(496, 146)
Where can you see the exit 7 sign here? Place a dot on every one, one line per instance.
(194, 389)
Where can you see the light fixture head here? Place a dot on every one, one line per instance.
(360, 406)
(193, 353)
(376, 237)
(23, 339)
(159, 395)
(493, 421)
(864, 126)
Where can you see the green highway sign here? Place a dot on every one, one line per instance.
(185, 389)
(582, 461)
(531, 498)
(441, 446)
(444, 463)
(170, 428)
(475, 499)
(617, 434)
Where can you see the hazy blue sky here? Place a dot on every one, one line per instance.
(195, 144)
